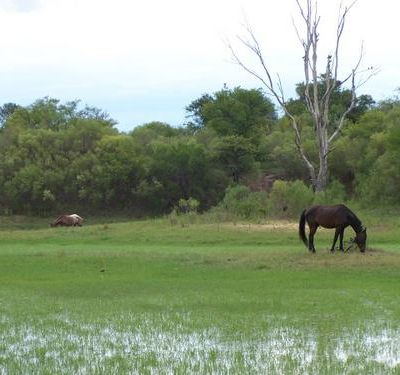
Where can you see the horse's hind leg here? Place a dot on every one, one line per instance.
(313, 229)
(337, 232)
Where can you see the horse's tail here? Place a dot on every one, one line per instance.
(302, 224)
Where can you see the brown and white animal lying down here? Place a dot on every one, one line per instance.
(68, 221)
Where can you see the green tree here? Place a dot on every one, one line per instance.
(233, 124)
(6, 110)
(240, 112)
(341, 99)
(378, 178)
(146, 134)
(39, 147)
(236, 155)
(180, 168)
(195, 112)
(110, 177)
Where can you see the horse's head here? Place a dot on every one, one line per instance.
(361, 239)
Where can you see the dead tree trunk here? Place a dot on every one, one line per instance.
(317, 96)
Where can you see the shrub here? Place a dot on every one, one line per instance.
(288, 199)
(185, 212)
(334, 194)
(239, 201)
(187, 206)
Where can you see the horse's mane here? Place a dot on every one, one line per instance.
(355, 222)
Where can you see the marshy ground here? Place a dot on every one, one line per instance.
(151, 297)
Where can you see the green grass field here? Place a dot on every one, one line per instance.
(148, 297)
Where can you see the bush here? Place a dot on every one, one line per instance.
(288, 199)
(239, 201)
(334, 194)
(188, 206)
(185, 212)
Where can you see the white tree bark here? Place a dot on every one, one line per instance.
(318, 103)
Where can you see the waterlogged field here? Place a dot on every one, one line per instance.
(154, 298)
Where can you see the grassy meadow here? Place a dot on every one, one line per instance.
(159, 297)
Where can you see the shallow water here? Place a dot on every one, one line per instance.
(163, 345)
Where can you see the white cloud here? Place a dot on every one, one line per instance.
(102, 50)
(20, 5)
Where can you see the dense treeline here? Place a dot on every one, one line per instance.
(57, 157)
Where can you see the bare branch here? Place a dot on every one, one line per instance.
(318, 103)
(372, 73)
(266, 78)
(347, 111)
(301, 40)
(281, 89)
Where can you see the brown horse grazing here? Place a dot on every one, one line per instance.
(68, 221)
(339, 217)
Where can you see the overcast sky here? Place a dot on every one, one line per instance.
(146, 60)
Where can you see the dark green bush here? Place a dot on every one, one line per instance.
(334, 194)
(288, 199)
(239, 201)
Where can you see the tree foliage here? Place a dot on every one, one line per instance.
(57, 157)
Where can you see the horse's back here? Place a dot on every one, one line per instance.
(61, 220)
(76, 216)
(68, 220)
(327, 216)
(77, 219)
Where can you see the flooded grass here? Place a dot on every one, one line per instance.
(148, 344)
(148, 298)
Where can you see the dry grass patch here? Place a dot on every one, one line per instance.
(268, 226)
(286, 260)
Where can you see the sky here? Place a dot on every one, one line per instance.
(144, 61)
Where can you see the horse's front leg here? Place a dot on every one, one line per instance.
(337, 232)
(341, 239)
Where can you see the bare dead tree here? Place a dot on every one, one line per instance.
(318, 103)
